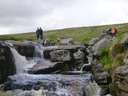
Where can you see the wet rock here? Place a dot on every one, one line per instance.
(79, 54)
(47, 68)
(71, 48)
(7, 66)
(25, 48)
(73, 56)
(60, 55)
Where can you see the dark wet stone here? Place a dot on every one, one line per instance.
(7, 66)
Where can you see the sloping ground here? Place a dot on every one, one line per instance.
(81, 34)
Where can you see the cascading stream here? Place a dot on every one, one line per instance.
(23, 64)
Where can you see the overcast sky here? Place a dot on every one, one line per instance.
(18, 16)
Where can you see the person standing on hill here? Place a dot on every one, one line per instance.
(39, 33)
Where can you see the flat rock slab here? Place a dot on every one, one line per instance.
(63, 47)
(45, 68)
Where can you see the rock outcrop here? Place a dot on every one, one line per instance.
(120, 73)
(102, 77)
(26, 49)
(61, 58)
(60, 55)
(120, 80)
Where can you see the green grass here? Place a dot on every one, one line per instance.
(81, 34)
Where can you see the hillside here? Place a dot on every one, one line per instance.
(80, 34)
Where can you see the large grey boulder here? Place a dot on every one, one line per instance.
(25, 48)
(104, 42)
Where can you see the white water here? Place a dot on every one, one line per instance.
(39, 49)
(21, 62)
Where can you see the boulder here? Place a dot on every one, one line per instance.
(60, 55)
(48, 68)
(25, 48)
(7, 65)
(120, 80)
(67, 41)
(79, 55)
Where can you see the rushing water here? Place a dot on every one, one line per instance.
(22, 64)
(52, 85)
(39, 56)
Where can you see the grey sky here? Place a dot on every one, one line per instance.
(18, 16)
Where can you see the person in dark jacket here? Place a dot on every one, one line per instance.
(39, 33)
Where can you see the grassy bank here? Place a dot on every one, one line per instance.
(81, 34)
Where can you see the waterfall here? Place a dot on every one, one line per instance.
(20, 61)
(22, 64)
(39, 55)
